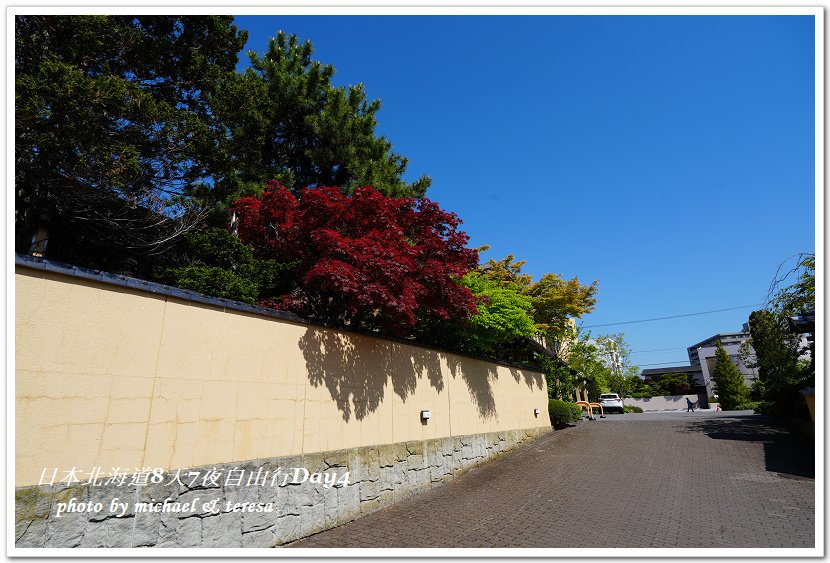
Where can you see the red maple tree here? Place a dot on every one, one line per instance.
(368, 260)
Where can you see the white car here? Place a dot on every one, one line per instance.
(611, 402)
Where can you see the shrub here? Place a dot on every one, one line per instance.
(219, 264)
(563, 413)
(747, 406)
(628, 408)
(217, 282)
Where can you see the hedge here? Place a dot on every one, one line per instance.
(748, 406)
(563, 413)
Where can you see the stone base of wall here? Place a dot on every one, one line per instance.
(212, 513)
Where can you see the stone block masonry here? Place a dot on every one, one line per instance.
(231, 513)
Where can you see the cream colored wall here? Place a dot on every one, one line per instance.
(115, 378)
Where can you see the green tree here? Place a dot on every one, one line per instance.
(502, 314)
(616, 354)
(785, 364)
(590, 366)
(286, 121)
(512, 310)
(114, 125)
(553, 301)
(801, 294)
(217, 263)
(781, 374)
(728, 380)
(561, 378)
(637, 386)
(674, 384)
(499, 327)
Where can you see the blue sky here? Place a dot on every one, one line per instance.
(670, 158)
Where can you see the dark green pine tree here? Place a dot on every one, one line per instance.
(729, 381)
(114, 126)
(286, 121)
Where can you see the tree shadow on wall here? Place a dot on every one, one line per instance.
(478, 378)
(352, 367)
(409, 364)
(532, 378)
(784, 453)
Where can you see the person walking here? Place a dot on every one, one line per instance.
(689, 405)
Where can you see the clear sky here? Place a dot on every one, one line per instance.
(670, 158)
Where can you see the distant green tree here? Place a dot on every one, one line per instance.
(674, 384)
(639, 387)
(728, 380)
(616, 354)
(590, 366)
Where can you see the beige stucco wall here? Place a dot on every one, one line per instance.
(112, 377)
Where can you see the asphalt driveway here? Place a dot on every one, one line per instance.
(671, 479)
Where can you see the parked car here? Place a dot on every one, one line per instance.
(611, 402)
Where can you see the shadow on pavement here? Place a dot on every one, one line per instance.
(784, 453)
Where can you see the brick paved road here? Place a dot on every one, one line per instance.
(661, 480)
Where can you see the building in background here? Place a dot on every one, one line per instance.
(694, 373)
(702, 362)
(702, 356)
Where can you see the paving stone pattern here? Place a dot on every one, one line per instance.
(672, 480)
(378, 477)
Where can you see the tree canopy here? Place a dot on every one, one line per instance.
(552, 300)
(366, 260)
(286, 121)
(785, 364)
(133, 130)
(113, 123)
(502, 316)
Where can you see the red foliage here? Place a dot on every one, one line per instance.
(368, 260)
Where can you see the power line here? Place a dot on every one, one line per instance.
(674, 316)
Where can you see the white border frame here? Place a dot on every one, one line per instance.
(420, 7)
